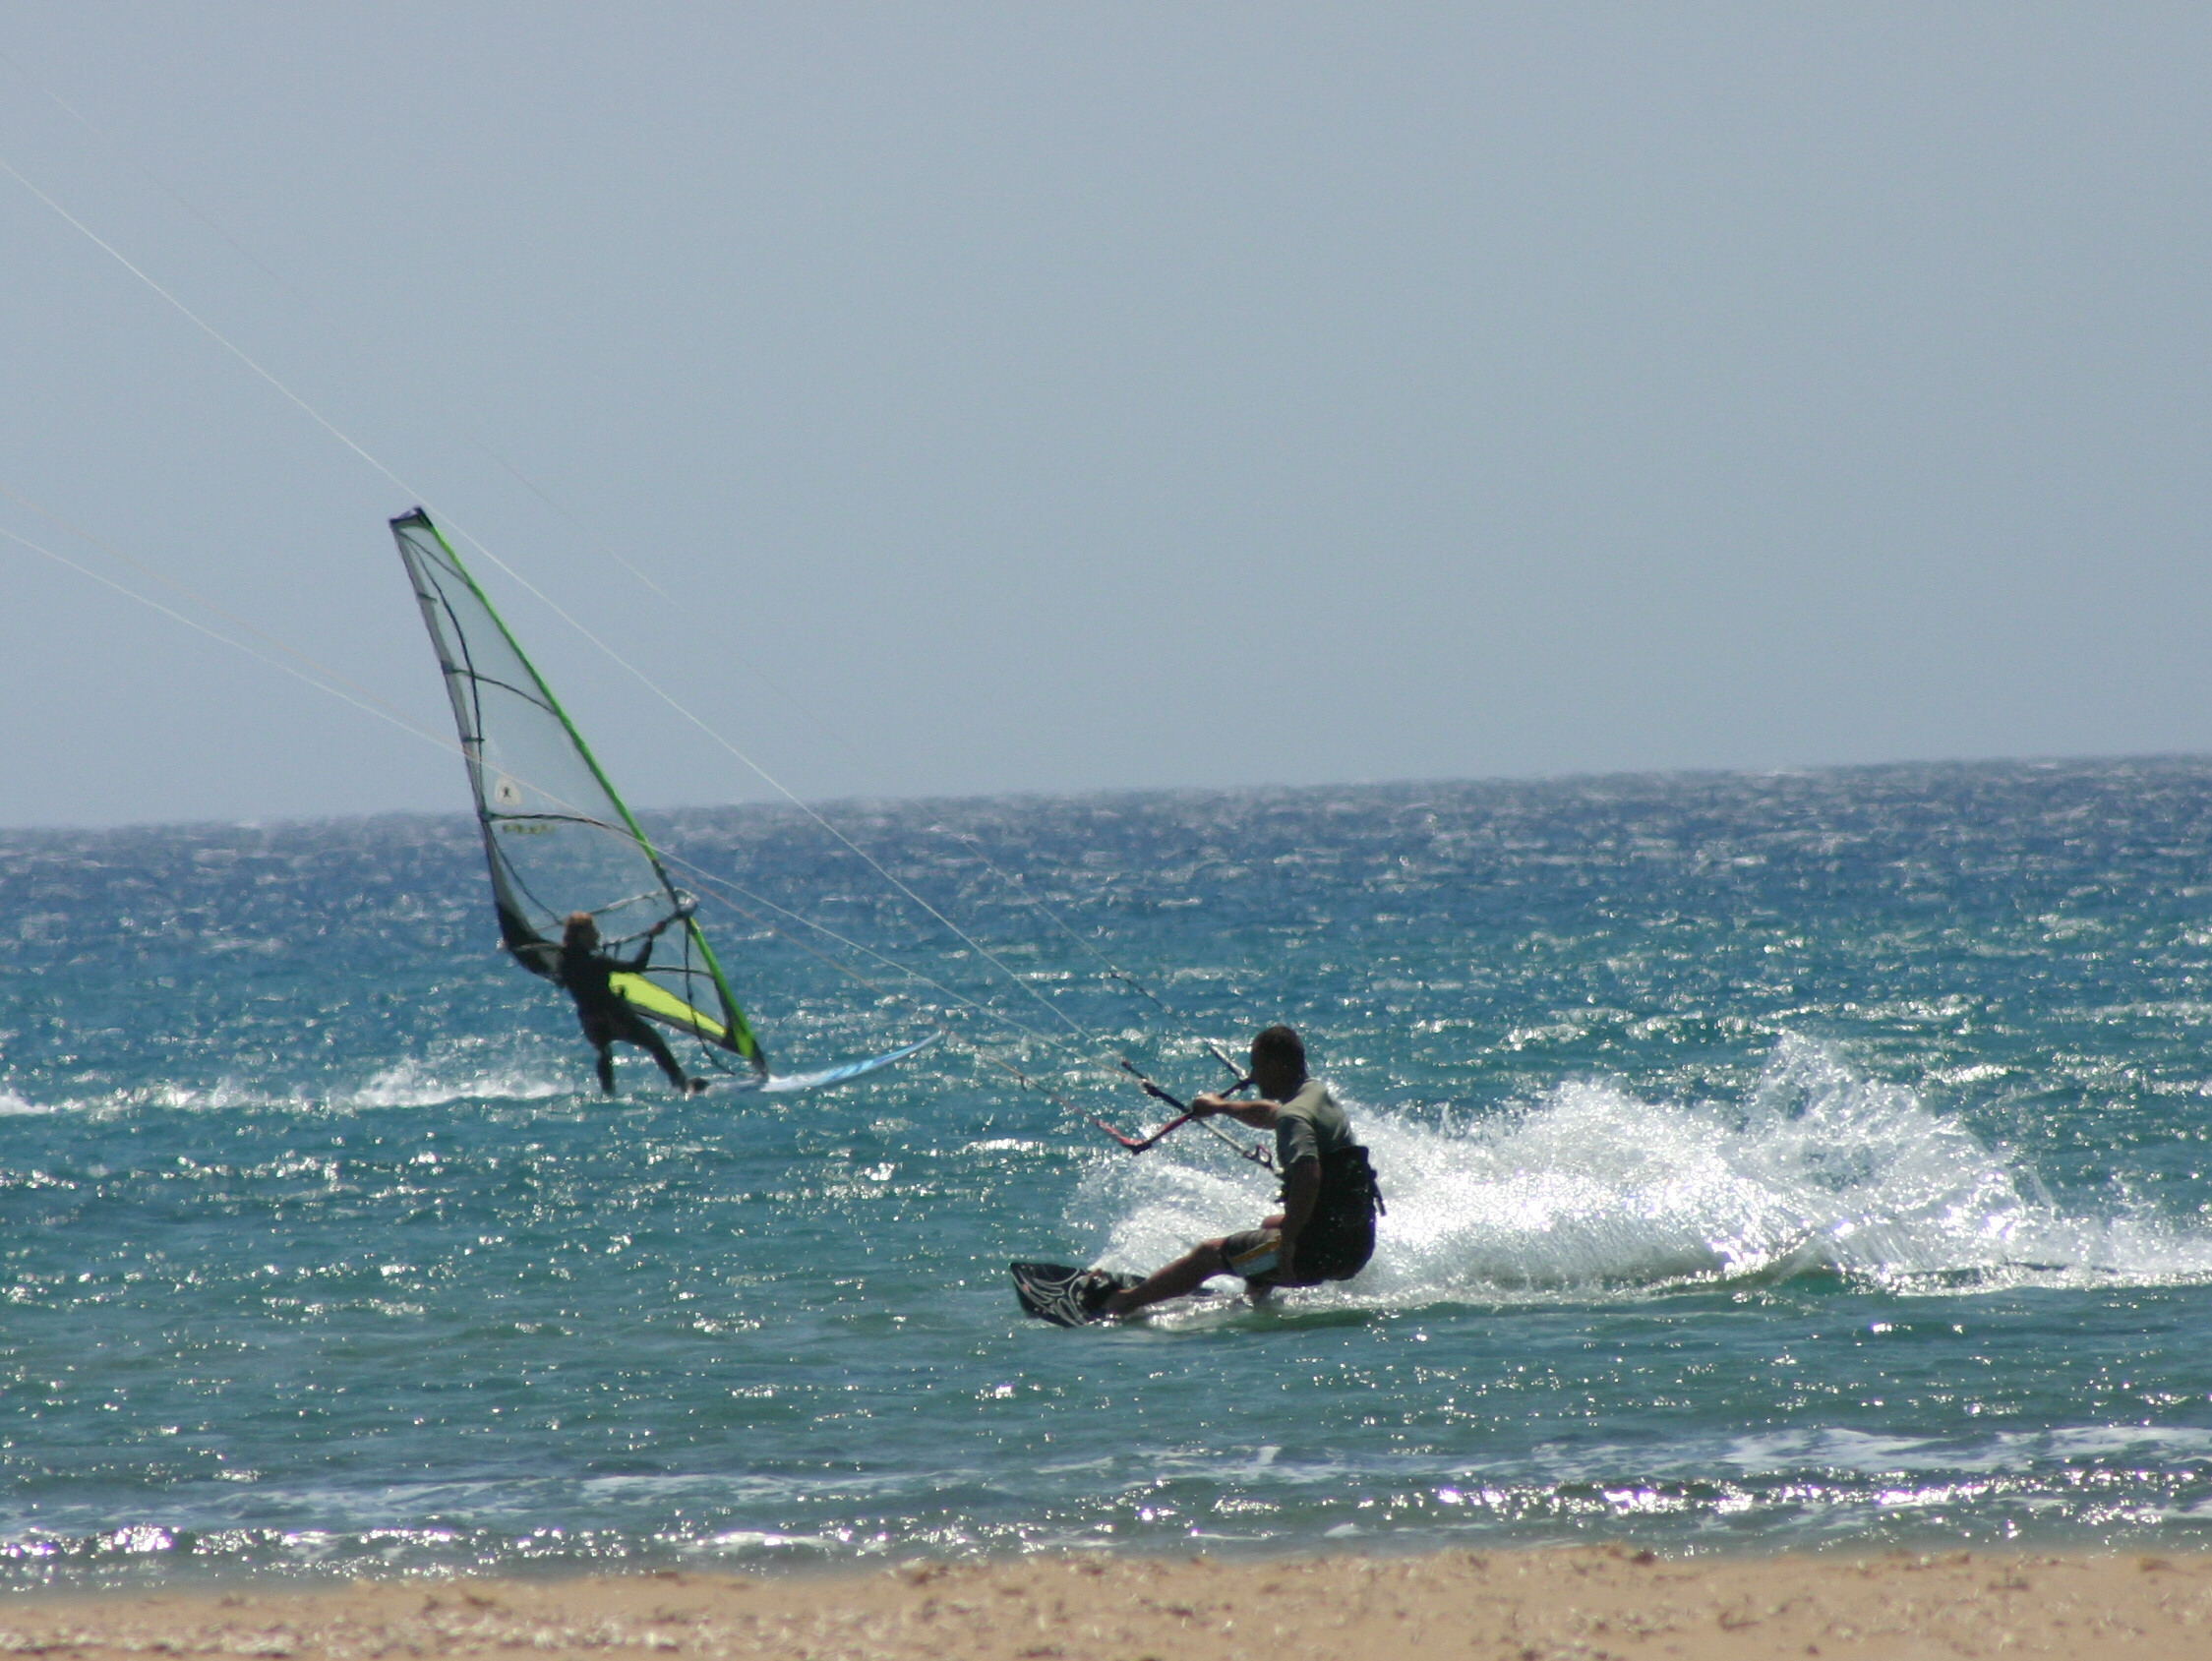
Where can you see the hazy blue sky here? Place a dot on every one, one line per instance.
(1059, 398)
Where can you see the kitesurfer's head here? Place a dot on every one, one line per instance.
(580, 932)
(1278, 1062)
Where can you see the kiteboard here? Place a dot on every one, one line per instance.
(1054, 1292)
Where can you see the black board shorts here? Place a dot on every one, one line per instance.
(1326, 1252)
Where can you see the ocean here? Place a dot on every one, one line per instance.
(1805, 1161)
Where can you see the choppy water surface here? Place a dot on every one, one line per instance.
(1772, 1161)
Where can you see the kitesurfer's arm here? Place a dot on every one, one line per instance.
(1260, 1115)
(1301, 1189)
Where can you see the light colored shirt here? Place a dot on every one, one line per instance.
(1309, 1125)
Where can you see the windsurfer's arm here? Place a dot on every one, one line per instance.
(685, 906)
(539, 957)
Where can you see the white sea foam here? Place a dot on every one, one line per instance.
(460, 1070)
(1591, 1191)
(433, 1082)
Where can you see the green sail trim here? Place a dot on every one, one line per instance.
(557, 835)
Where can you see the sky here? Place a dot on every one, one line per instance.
(950, 399)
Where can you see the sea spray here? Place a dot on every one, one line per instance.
(1593, 1191)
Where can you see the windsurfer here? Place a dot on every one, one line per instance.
(588, 973)
(1326, 1230)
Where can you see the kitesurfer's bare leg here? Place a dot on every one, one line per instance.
(1186, 1275)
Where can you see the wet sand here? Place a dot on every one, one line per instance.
(1585, 1604)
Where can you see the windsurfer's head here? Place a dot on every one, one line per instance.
(1279, 1061)
(580, 932)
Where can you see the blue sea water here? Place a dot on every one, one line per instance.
(1778, 1162)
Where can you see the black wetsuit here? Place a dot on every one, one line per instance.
(606, 1018)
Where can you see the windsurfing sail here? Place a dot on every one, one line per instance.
(557, 838)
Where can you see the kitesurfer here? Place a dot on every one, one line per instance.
(1326, 1230)
(588, 972)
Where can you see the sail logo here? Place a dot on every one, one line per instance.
(505, 793)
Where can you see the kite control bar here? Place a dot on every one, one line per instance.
(1257, 1152)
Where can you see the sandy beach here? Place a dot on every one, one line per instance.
(1584, 1603)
